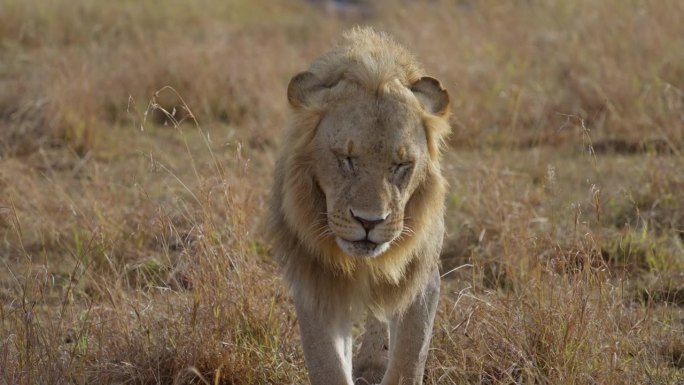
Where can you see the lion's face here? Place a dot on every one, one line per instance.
(362, 151)
(370, 154)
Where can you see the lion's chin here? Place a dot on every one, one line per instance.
(362, 249)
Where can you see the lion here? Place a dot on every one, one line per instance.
(357, 209)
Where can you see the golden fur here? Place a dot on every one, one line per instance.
(370, 65)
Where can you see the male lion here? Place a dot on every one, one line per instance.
(357, 209)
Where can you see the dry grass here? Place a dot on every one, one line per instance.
(131, 248)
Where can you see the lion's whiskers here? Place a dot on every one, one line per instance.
(322, 231)
(319, 223)
(321, 228)
(326, 233)
(406, 231)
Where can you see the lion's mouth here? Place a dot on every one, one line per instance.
(365, 244)
(362, 248)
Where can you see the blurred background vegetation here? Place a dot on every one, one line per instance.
(137, 141)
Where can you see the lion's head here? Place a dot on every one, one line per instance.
(361, 162)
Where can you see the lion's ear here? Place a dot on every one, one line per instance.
(301, 88)
(431, 95)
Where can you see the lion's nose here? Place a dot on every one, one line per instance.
(367, 222)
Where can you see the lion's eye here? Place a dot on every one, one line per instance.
(346, 163)
(400, 170)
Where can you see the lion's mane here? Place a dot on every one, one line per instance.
(314, 267)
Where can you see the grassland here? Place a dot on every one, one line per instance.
(131, 213)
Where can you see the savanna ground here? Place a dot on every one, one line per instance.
(131, 215)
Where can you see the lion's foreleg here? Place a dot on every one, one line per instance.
(410, 337)
(371, 360)
(327, 343)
